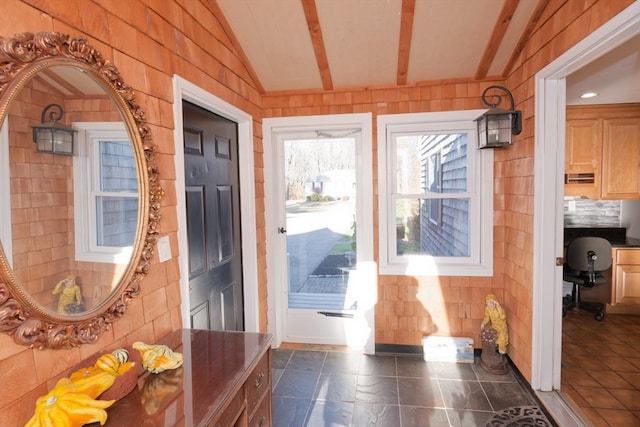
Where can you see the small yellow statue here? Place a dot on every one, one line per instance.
(494, 313)
(70, 294)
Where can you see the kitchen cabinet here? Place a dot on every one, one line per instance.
(225, 381)
(602, 151)
(625, 281)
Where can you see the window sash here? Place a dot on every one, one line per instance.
(479, 182)
(106, 176)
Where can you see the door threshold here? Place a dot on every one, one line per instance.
(562, 409)
(320, 347)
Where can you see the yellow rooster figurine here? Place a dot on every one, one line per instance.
(157, 358)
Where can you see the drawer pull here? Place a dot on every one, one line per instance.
(261, 422)
(258, 382)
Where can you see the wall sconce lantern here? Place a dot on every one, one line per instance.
(496, 126)
(52, 137)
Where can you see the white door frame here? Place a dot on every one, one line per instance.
(550, 104)
(276, 243)
(187, 91)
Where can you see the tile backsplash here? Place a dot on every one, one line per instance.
(579, 212)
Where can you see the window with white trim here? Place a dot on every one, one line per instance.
(435, 194)
(106, 193)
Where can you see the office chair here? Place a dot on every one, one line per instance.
(586, 259)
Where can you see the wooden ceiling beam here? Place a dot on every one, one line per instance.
(406, 32)
(533, 21)
(499, 30)
(311, 14)
(71, 89)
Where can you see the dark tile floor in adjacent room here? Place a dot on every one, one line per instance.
(315, 388)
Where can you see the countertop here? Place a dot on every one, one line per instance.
(631, 243)
(215, 362)
(616, 236)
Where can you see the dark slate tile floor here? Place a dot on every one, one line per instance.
(313, 388)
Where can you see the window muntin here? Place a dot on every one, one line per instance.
(434, 219)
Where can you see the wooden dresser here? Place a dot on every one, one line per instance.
(225, 381)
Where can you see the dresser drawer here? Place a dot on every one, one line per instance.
(259, 382)
(233, 411)
(262, 416)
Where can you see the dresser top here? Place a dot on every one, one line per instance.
(215, 364)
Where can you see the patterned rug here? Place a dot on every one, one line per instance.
(520, 416)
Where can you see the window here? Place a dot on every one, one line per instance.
(106, 194)
(436, 195)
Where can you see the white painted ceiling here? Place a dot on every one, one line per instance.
(615, 76)
(361, 39)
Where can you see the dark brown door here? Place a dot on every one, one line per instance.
(213, 220)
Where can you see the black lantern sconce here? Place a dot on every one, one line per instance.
(52, 137)
(496, 126)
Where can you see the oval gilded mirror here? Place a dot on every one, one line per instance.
(80, 206)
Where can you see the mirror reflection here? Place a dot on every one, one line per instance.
(70, 223)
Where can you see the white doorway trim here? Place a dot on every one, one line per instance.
(187, 91)
(550, 107)
(550, 104)
(368, 269)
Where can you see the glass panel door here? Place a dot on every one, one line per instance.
(320, 206)
(320, 190)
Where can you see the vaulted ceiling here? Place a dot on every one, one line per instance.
(296, 45)
(331, 44)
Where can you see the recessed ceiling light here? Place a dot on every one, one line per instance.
(588, 95)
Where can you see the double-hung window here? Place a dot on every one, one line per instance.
(435, 194)
(106, 197)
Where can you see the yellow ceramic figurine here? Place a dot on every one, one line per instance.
(69, 292)
(157, 358)
(494, 313)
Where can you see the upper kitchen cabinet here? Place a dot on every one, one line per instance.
(603, 151)
(583, 153)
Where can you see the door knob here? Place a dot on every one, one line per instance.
(282, 230)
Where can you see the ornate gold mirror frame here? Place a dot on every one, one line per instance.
(21, 316)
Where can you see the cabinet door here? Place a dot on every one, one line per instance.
(621, 158)
(627, 284)
(583, 152)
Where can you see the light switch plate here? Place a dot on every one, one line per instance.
(164, 248)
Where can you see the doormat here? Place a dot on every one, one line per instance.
(332, 266)
(520, 416)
